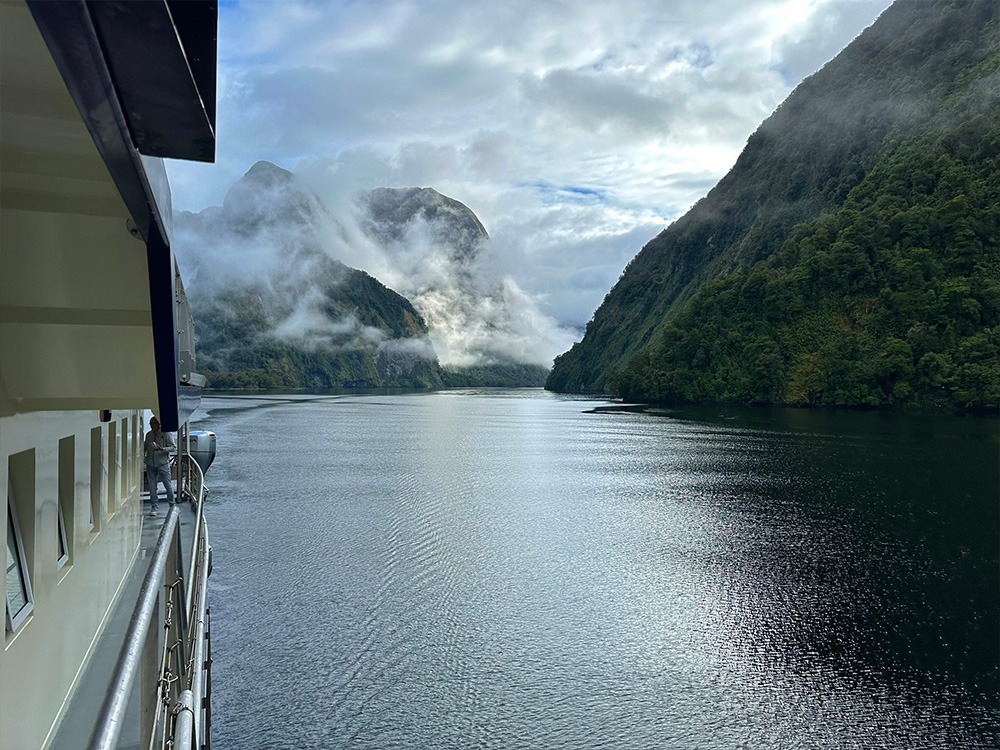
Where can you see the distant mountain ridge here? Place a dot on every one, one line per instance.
(273, 310)
(850, 257)
(471, 313)
(389, 211)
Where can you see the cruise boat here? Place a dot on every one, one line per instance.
(95, 332)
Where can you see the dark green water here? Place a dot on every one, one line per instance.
(502, 569)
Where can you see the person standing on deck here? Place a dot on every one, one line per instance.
(156, 448)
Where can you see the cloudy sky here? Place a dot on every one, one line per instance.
(575, 130)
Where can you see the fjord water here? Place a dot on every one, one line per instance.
(503, 569)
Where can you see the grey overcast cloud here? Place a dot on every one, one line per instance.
(575, 130)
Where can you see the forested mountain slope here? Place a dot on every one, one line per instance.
(274, 310)
(275, 307)
(351, 332)
(851, 254)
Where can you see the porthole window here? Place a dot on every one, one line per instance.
(19, 600)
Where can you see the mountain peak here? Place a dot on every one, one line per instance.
(266, 173)
(389, 211)
(267, 195)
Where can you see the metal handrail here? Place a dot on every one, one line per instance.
(199, 498)
(109, 725)
(188, 623)
(185, 732)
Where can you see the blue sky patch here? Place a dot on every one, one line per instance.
(552, 193)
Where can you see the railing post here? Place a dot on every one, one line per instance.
(207, 725)
(198, 630)
(184, 721)
(149, 681)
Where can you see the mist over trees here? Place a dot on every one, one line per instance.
(436, 252)
(275, 307)
(274, 311)
(851, 256)
(361, 334)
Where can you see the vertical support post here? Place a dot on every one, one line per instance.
(163, 300)
(184, 738)
(206, 727)
(149, 694)
(183, 451)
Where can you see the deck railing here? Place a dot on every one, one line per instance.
(170, 664)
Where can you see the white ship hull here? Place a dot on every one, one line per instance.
(68, 461)
(94, 332)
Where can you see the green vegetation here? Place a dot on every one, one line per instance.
(893, 298)
(307, 321)
(372, 337)
(499, 375)
(852, 255)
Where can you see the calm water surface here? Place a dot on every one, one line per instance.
(503, 570)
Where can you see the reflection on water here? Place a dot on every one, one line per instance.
(501, 569)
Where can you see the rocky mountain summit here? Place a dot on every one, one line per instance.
(388, 213)
(480, 322)
(274, 310)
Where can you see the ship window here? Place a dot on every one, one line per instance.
(67, 498)
(124, 466)
(19, 600)
(112, 466)
(132, 474)
(63, 549)
(137, 424)
(96, 474)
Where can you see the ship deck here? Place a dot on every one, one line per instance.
(77, 724)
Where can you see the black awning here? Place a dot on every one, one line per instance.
(162, 58)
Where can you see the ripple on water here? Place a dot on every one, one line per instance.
(477, 571)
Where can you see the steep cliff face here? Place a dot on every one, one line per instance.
(389, 212)
(479, 321)
(788, 282)
(274, 310)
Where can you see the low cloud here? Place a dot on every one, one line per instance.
(645, 103)
(263, 262)
(309, 326)
(277, 242)
(476, 311)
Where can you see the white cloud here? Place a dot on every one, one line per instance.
(575, 131)
(310, 326)
(475, 310)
